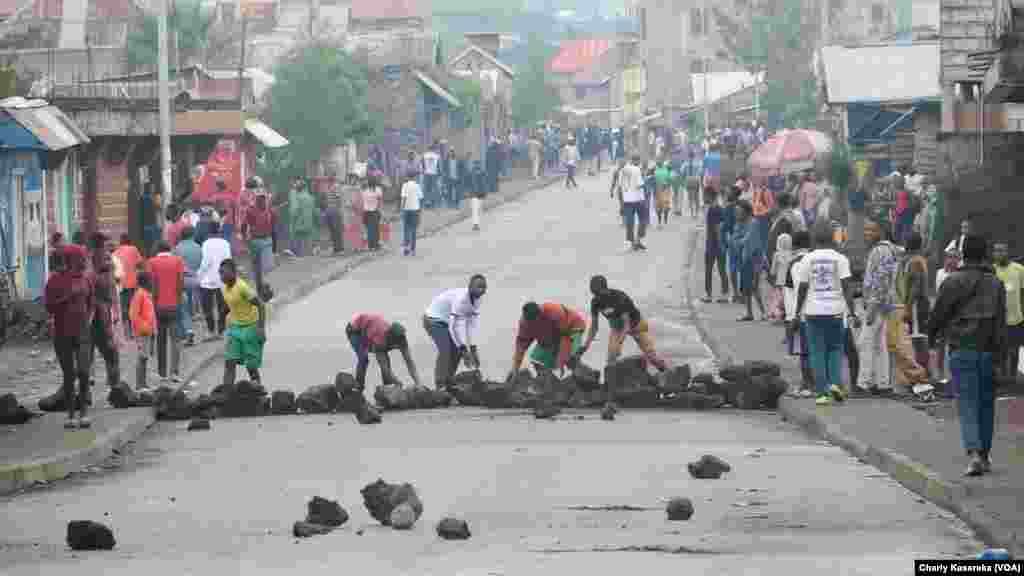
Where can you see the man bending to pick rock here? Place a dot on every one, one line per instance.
(371, 333)
(558, 331)
(450, 321)
(625, 320)
(246, 333)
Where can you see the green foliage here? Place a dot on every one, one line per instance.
(187, 22)
(469, 94)
(318, 100)
(532, 97)
(775, 41)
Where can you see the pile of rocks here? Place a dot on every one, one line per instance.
(396, 397)
(751, 385)
(394, 505)
(11, 412)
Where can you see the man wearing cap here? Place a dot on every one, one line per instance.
(371, 333)
(258, 227)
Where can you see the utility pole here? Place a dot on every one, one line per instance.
(163, 95)
(707, 71)
(241, 64)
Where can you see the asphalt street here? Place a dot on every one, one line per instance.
(534, 492)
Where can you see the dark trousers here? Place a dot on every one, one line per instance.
(410, 227)
(167, 322)
(334, 224)
(635, 211)
(73, 357)
(715, 259)
(126, 302)
(448, 355)
(372, 222)
(111, 358)
(570, 177)
(431, 196)
(211, 298)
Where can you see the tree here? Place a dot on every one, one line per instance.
(318, 101)
(774, 39)
(188, 24)
(532, 97)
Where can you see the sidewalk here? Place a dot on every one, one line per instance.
(920, 448)
(42, 451)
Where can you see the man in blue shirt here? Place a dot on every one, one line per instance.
(192, 253)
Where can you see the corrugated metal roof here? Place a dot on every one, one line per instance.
(575, 55)
(887, 73)
(47, 123)
(265, 134)
(720, 85)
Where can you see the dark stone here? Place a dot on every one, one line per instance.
(224, 392)
(677, 379)
(283, 402)
(307, 530)
(246, 388)
(708, 468)
(503, 395)
(122, 396)
(441, 398)
(734, 373)
(199, 424)
(705, 383)
(608, 412)
(89, 535)
(391, 397)
(586, 378)
(747, 397)
(546, 410)
(638, 397)
(403, 517)
(368, 415)
(174, 406)
(381, 498)
(628, 372)
(453, 529)
(679, 509)
(325, 512)
(587, 399)
(468, 388)
(145, 398)
(694, 401)
(421, 398)
(763, 368)
(245, 407)
(345, 383)
(55, 402)
(319, 399)
(11, 412)
(773, 389)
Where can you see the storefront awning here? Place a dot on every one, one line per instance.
(265, 134)
(47, 123)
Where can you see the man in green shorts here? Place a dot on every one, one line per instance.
(246, 333)
(558, 331)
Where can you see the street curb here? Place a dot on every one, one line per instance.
(15, 477)
(912, 475)
(288, 297)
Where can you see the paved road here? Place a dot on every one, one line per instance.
(223, 501)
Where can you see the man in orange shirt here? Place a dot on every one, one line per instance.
(168, 273)
(129, 257)
(558, 331)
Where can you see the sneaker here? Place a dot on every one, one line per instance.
(838, 393)
(986, 465)
(476, 227)
(805, 393)
(84, 423)
(823, 400)
(975, 467)
(640, 246)
(628, 245)
(70, 424)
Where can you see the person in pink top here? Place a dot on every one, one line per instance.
(809, 199)
(371, 333)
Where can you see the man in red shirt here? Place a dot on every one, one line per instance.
(558, 331)
(70, 299)
(258, 229)
(168, 272)
(371, 333)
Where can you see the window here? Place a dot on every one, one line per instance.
(877, 14)
(696, 22)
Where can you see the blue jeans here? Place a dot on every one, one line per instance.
(448, 356)
(262, 253)
(362, 350)
(430, 192)
(184, 310)
(972, 374)
(825, 340)
(410, 225)
(635, 211)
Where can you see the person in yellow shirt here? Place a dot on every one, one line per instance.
(1011, 274)
(246, 333)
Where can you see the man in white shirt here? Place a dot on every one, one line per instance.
(450, 321)
(431, 163)
(631, 182)
(412, 196)
(823, 300)
(571, 158)
(215, 250)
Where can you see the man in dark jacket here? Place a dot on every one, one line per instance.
(970, 314)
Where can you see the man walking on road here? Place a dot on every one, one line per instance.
(1012, 276)
(371, 333)
(971, 313)
(450, 321)
(215, 251)
(714, 255)
(247, 328)
(130, 258)
(624, 319)
(258, 229)
(571, 158)
(558, 331)
(431, 167)
(631, 181)
(192, 254)
(823, 300)
(411, 198)
(168, 273)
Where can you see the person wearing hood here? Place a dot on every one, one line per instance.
(970, 313)
(372, 333)
(70, 298)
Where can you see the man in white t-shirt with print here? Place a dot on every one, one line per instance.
(824, 298)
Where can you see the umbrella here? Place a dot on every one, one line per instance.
(790, 151)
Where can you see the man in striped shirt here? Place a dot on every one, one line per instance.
(450, 321)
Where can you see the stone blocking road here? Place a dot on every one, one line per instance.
(223, 501)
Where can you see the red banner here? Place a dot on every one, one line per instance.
(224, 163)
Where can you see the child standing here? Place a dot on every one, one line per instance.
(142, 314)
(780, 266)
